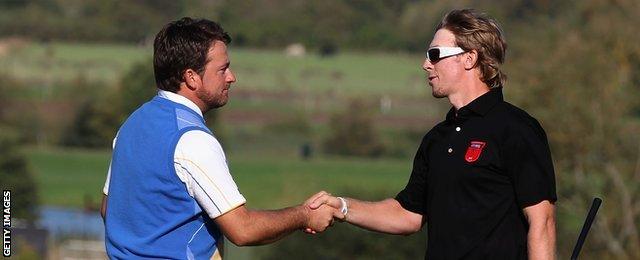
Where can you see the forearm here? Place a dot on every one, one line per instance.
(266, 226)
(385, 216)
(245, 227)
(542, 240)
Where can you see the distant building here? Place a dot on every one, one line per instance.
(295, 50)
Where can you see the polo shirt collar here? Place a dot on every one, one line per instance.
(479, 106)
(180, 100)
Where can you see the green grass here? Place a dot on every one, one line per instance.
(345, 73)
(348, 73)
(57, 63)
(65, 177)
(271, 181)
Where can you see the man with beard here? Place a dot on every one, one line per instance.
(169, 193)
(482, 179)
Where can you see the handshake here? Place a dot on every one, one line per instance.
(321, 210)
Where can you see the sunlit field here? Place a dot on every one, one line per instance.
(75, 177)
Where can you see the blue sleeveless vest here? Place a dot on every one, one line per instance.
(149, 211)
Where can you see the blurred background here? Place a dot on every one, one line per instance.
(330, 96)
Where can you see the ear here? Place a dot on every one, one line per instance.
(192, 79)
(470, 59)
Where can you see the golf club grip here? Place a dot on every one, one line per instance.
(585, 228)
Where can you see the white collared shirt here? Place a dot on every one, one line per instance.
(201, 165)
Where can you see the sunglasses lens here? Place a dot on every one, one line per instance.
(433, 54)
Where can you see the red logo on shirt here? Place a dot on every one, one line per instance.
(474, 151)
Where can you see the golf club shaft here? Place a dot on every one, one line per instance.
(585, 228)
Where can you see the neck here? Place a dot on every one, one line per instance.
(468, 93)
(191, 95)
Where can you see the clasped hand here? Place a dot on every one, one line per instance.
(322, 210)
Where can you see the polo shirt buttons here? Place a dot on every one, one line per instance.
(458, 129)
(450, 150)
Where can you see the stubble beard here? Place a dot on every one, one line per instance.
(438, 92)
(212, 100)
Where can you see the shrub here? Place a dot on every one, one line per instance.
(17, 177)
(353, 132)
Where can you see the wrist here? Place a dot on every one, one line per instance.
(344, 207)
(304, 216)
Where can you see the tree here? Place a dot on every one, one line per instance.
(99, 117)
(14, 171)
(96, 122)
(136, 87)
(580, 78)
(353, 132)
(17, 177)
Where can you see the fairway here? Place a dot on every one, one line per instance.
(57, 62)
(346, 73)
(66, 177)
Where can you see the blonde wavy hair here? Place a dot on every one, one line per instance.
(477, 31)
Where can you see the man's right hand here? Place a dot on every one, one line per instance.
(322, 216)
(386, 216)
(324, 198)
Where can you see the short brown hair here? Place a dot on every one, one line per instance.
(477, 31)
(182, 45)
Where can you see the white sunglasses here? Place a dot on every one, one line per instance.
(438, 53)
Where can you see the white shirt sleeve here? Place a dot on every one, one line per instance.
(105, 189)
(201, 164)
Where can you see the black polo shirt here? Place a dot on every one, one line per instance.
(472, 176)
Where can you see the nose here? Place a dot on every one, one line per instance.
(427, 65)
(230, 76)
